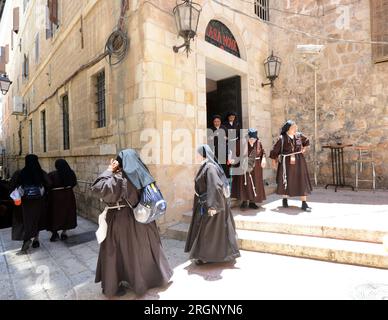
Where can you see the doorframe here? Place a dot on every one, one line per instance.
(212, 54)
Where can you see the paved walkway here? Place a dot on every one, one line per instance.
(66, 270)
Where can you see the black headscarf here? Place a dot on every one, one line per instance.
(66, 174)
(32, 173)
(231, 113)
(287, 126)
(216, 116)
(134, 169)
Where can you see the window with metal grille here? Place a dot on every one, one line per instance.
(43, 130)
(262, 9)
(65, 119)
(379, 29)
(100, 102)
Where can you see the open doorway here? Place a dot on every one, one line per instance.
(223, 92)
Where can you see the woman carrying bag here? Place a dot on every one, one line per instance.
(131, 253)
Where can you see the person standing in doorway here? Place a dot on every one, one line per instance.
(249, 186)
(287, 155)
(62, 213)
(212, 233)
(217, 141)
(232, 123)
(32, 215)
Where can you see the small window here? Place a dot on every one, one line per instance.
(16, 19)
(262, 9)
(100, 100)
(31, 140)
(25, 67)
(379, 29)
(37, 48)
(43, 130)
(66, 122)
(52, 17)
(25, 4)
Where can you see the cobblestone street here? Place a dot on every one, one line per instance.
(65, 270)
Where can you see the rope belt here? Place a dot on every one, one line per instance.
(284, 167)
(60, 188)
(102, 225)
(250, 176)
(201, 201)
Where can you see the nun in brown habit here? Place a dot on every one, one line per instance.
(212, 235)
(292, 174)
(131, 253)
(247, 184)
(62, 213)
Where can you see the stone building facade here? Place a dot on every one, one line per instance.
(352, 89)
(155, 94)
(152, 88)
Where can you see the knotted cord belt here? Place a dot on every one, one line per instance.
(102, 225)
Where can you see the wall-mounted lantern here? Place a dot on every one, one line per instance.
(5, 83)
(186, 17)
(272, 69)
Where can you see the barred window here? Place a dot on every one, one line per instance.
(65, 119)
(262, 9)
(100, 101)
(379, 28)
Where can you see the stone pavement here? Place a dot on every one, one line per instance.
(62, 270)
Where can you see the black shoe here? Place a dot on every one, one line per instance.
(54, 237)
(35, 244)
(244, 205)
(305, 207)
(285, 203)
(253, 205)
(199, 262)
(64, 236)
(26, 246)
(121, 291)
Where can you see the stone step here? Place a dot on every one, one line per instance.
(262, 223)
(333, 250)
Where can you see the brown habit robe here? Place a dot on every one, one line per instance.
(31, 216)
(62, 212)
(298, 180)
(211, 239)
(245, 192)
(132, 252)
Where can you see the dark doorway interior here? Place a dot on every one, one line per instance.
(227, 97)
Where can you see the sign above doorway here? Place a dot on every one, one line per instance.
(219, 35)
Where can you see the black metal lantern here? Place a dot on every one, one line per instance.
(186, 17)
(272, 69)
(5, 83)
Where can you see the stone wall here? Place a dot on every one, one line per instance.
(153, 88)
(352, 90)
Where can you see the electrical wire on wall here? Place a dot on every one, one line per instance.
(117, 44)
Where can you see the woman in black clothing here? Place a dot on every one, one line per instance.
(62, 213)
(31, 217)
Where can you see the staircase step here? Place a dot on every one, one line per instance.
(316, 229)
(333, 250)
